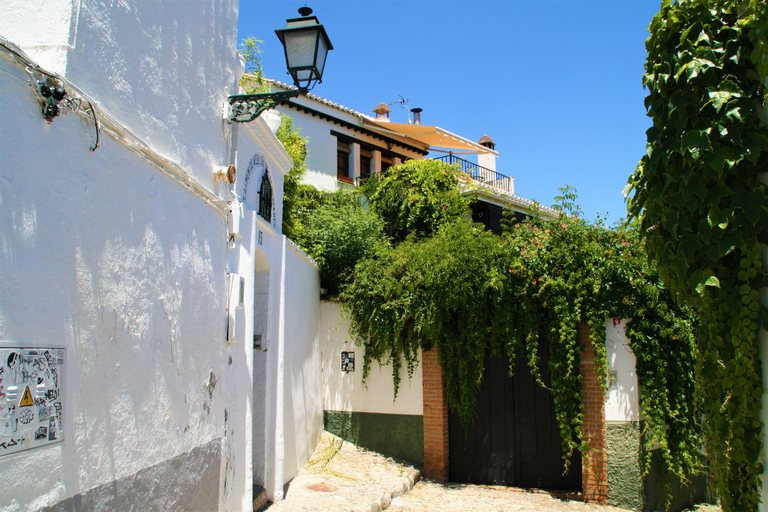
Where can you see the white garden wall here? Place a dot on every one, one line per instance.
(303, 379)
(344, 391)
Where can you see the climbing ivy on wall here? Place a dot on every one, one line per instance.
(703, 216)
(469, 292)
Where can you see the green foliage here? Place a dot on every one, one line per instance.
(296, 147)
(337, 232)
(566, 203)
(253, 81)
(416, 197)
(422, 292)
(470, 292)
(702, 212)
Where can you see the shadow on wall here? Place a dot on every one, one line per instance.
(260, 345)
(684, 496)
(397, 436)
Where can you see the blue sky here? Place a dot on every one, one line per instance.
(556, 83)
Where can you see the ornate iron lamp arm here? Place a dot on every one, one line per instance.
(247, 107)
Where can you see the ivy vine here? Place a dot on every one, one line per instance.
(703, 216)
(469, 292)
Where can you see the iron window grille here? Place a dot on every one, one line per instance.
(265, 198)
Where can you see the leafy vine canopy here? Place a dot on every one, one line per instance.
(469, 292)
(702, 210)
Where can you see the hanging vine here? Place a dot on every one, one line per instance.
(702, 208)
(470, 292)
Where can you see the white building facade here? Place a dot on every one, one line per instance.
(157, 330)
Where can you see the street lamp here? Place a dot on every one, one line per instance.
(306, 47)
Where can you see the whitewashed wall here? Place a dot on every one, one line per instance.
(120, 256)
(623, 400)
(165, 68)
(104, 256)
(345, 391)
(303, 407)
(282, 307)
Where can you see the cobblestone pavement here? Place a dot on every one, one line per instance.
(339, 477)
(433, 496)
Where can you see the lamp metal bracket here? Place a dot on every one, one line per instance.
(244, 108)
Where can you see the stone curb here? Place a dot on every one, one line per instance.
(411, 477)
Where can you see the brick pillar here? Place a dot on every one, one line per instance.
(436, 463)
(594, 467)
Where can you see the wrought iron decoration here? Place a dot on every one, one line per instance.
(247, 107)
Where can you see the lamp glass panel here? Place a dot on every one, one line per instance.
(300, 48)
(304, 74)
(322, 53)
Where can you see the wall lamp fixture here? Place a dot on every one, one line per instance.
(306, 47)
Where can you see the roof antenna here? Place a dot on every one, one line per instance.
(404, 102)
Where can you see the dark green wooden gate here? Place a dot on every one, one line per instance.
(515, 440)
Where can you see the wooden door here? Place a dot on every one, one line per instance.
(515, 439)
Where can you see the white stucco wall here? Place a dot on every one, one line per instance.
(46, 29)
(165, 69)
(103, 255)
(623, 400)
(303, 377)
(345, 391)
(259, 256)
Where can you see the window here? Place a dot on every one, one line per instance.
(265, 198)
(365, 164)
(342, 162)
(386, 163)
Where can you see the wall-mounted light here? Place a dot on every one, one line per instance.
(306, 48)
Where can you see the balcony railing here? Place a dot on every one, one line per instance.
(481, 174)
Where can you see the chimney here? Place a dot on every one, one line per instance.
(417, 115)
(487, 160)
(382, 113)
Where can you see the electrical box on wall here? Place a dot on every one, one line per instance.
(30, 398)
(235, 299)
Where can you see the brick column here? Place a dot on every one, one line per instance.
(436, 464)
(594, 466)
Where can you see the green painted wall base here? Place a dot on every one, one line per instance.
(626, 486)
(395, 435)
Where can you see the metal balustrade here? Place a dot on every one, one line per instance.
(479, 173)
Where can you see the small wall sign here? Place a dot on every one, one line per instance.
(30, 398)
(347, 362)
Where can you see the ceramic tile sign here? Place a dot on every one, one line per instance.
(347, 362)
(30, 398)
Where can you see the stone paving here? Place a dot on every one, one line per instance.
(340, 477)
